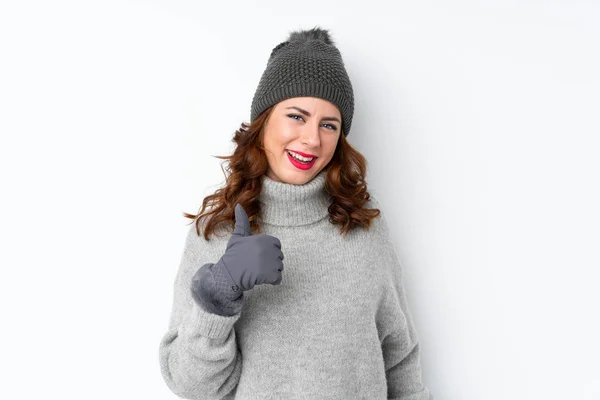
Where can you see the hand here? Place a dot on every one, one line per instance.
(250, 260)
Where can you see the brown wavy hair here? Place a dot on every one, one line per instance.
(344, 182)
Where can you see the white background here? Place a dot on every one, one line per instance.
(479, 121)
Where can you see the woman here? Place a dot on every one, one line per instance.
(334, 324)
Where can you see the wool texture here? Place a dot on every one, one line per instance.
(338, 326)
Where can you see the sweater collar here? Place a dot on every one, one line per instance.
(286, 204)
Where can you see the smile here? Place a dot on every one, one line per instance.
(303, 165)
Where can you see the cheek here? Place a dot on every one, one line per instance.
(276, 145)
(331, 148)
(274, 139)
(286, 134)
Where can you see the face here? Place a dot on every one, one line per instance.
(309, 125)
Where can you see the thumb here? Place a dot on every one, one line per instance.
(242, 225)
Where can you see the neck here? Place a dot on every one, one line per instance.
(286, 204)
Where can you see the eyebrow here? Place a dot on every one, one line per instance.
(308, 114)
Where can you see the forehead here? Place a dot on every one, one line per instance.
(311, 104)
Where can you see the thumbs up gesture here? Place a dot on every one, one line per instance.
(250, 259)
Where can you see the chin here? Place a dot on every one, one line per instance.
(297, 180)
(294, 176)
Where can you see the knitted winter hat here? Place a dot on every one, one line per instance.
(307, 64)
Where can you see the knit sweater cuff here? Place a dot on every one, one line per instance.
(210, 295)
(204, 323)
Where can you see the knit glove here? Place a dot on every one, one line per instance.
(248, 260)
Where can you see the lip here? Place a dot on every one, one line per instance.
(302, 154)
(300, 165)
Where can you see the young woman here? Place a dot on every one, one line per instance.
(334, 323)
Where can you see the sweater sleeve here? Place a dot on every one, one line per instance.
(400, 344)
(198, 354)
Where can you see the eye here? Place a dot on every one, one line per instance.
(295, 115)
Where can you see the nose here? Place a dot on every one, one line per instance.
(311, 135)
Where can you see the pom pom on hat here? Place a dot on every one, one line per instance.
(315, 33)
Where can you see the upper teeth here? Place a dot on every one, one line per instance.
(299, 157)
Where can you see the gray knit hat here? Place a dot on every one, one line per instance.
(307, 64)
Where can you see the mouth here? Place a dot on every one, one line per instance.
(300, 155)
(302, 164)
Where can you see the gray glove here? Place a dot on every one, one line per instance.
(248, 260)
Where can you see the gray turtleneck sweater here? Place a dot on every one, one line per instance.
(338, 326)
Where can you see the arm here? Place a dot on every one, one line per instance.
(199, 357)
(402, 358)
(400, 344)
